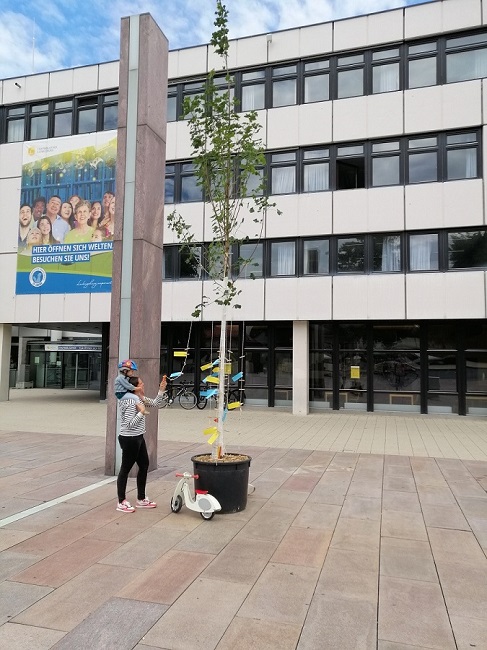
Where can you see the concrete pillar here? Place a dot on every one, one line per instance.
(5, 345)
(135, 323)
(300, 368)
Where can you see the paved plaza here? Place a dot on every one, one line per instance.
(364, 531)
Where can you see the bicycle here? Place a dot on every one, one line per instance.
(232, 395)
(186, 398)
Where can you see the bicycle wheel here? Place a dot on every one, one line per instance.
(188, 400)
(236, 396)
(201, 403)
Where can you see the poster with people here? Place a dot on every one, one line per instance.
(67, 215)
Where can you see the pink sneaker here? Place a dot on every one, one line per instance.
(125, 506)
(146, 503)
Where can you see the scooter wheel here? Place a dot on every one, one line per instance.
(207, 515)
(176, 504)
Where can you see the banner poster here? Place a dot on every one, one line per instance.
(67, 215)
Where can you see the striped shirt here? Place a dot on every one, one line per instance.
(132, 421)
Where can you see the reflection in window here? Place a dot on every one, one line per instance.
(385, 167)
(283, 258)
(316, 81)
(190, 262)
(316, 256)
(385, 76)
(467, 250)
(423, 252)
(387, 253)
(350, 255)
(350, 76)
(284, 90)
(190, 190)
(253, 90)
(251, 260)
(461, 158)
(422, 65)
(423, 164)
(38, 127)
(316, 174)
(87, 120)
(463, 66)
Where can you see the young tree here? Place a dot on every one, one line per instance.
(229, 162)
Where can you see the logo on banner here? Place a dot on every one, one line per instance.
(37, 277)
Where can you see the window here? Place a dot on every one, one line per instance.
(461, 156)
(170, 254)
(385, 71)
(386, 163)
(172, 103)
(423, 252)
(467, 250)
(63, 118)
(283, 258)
(350, 167)
(251, 260)
(190, 190)
(350, 76)
(110, 112)
(169, 184)
(316, 81)
(284, 85)
(316, 170)
(423, 160)
(253, 90)
(386, 253)
(350, 254)
(39, 121)
(191, 90)
(87, 114)
(190, 258)
(422, 64)
(15, 124)
(316, 257)
(283, 173)
(466, 57)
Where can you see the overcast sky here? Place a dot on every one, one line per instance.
(41, 35)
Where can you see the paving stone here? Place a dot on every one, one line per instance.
(10, 538)
(242, 560)
(144, 549)
(365, 488)
(15, 597)
(11, 563)
(317, 515)
(407, 558)
(303, 547)
(210, 537)
(356, 507)
(465, 589)
(473, 507)
(54, 539)
(167, 578)
(479, 529)
(249, 633)
(431, 495)
(399, 483)
(408, 525)
(455, 547)
(400, 501)
(271, 523)
(356, 535)
(193, 622)
(71, 603)
(413, 612)
(334, 624)
(389, 645)
(444, 517)
(23, 637)
(469, 632)
(117, 625)
(282, 593)
(343, 578)
(48, 518)
(467, 489)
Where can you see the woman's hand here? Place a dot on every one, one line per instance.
(140, 408)
(163, 384)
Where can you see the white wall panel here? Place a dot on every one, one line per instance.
(440, 295)
(61, 83)
(189, 62)
(424, 206)
(350, 297)
(459, 14)
(85, 79)
(315, 123)
(76, 307)
(192, 214)
(283, 225)
(385, 208)
(100, 305)
(462, 104)
(386, 296)
(11, 161)
(350, 211)
(179, 300)
(9, 214)
(385, 115)
(350, 33)
(216, 62)
(13, 93)
(463, 203)
(36, 87)
(182, 147)
(316, 39)
(171, 140)
(251, 301)
(51, 308)
(8, 274)
(27, 309)
(108, 75)
(350, 119)
(422, 19)
(423, 109)
(314, 215)
(385, 27)
(284, 45)
(1, 92)
(283, 127)
(314, 298)
(251, 229)
(251, 51)
(281, 299)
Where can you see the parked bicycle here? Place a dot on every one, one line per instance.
(232, 395)
(181, 392)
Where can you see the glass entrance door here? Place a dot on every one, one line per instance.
(76, 370)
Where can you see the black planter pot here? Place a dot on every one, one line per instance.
(226, 481)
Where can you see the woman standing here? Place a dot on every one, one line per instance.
(67, 213)
(95, 214)
(45, 226)
(82, 231)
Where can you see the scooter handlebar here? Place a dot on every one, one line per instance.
(186, 475)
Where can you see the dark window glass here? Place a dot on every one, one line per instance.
(316, 81)
(64, 104)
(350, 167)
(190, 262)
(476, 364)
(423, 252)
(169, 256)
(190, 190)
(62, 124)
(387, 253)
(171, 108)
(110, 117)
(461, 163)
(467, 250)
(283, 336)
(284, 92)
(397, 372)
(256, 336)
(320, 336)
(386, 171)
(38, 127)
(169, 189)
(316, 257)
(87, 120)
(396, 337)
(423, 165)
(350, 255)
(252, 264)
(350, 83)
(283, 258)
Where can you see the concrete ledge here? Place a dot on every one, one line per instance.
(24, 384)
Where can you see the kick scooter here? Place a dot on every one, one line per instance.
(203, 502)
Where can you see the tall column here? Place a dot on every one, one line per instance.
(135, 322)
(5, 345)
(300, 367)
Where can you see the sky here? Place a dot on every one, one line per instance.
(44, 35)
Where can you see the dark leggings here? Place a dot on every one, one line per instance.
(134, 450)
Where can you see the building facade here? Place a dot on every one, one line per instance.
(369, 290)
